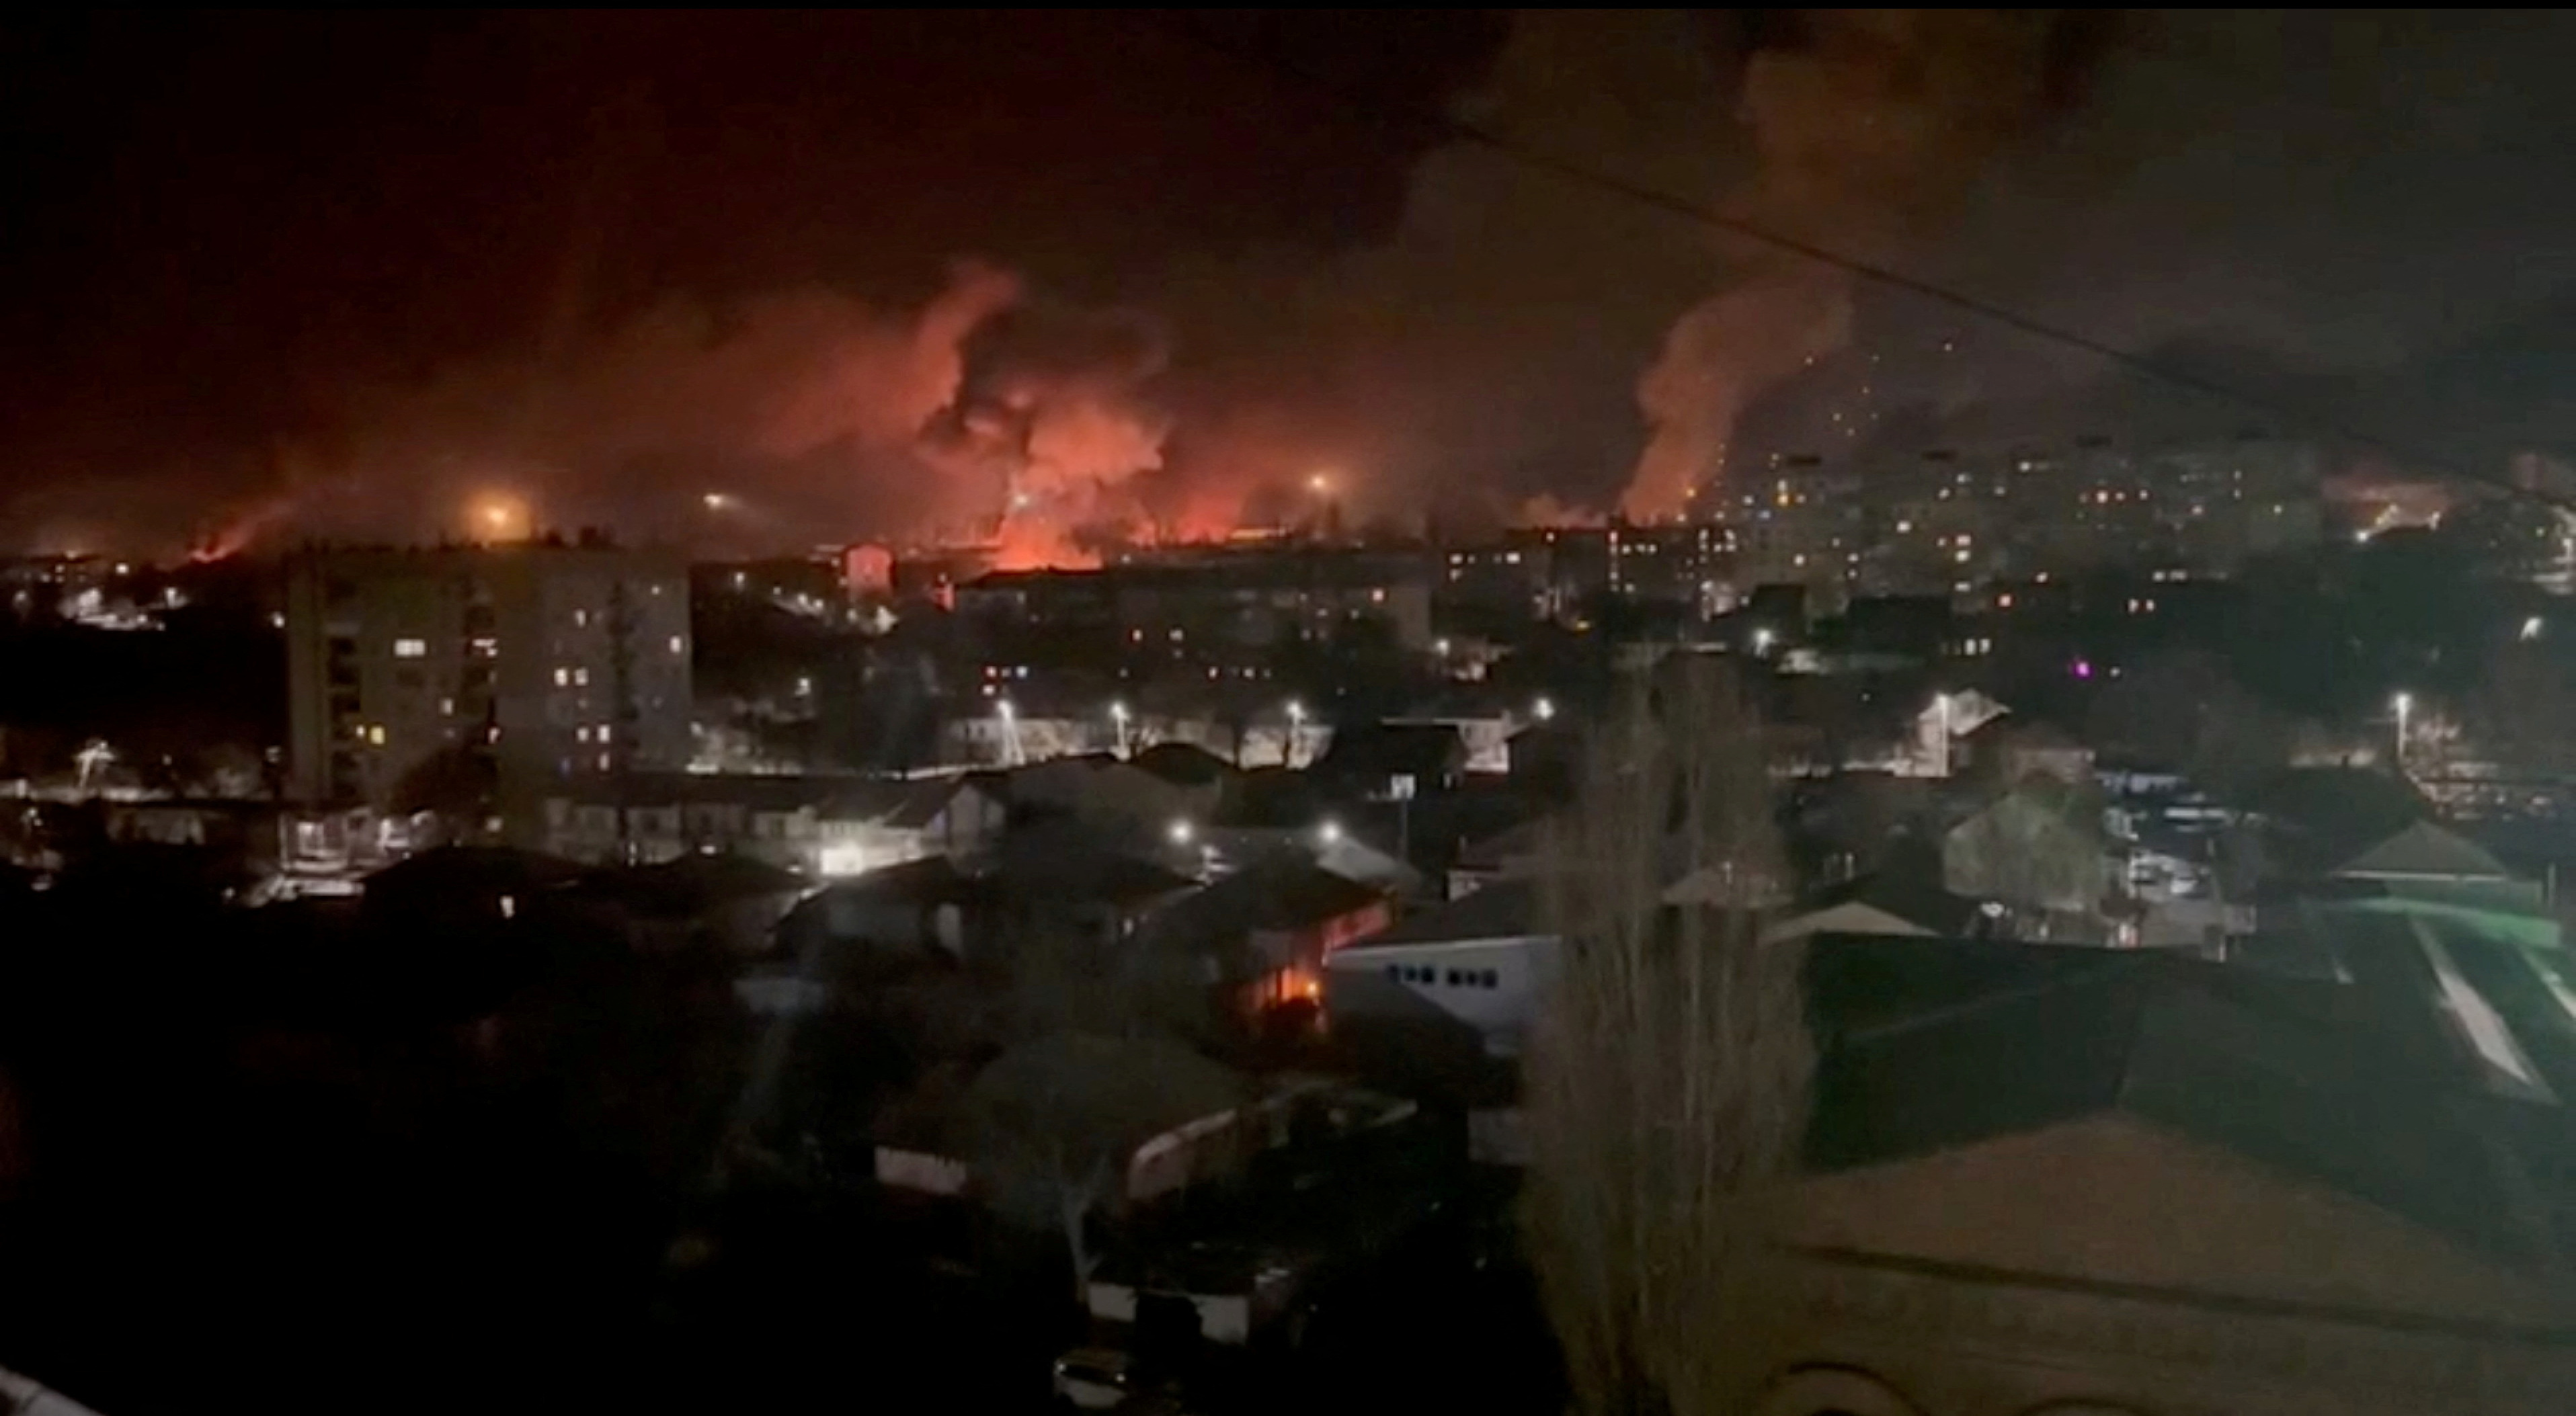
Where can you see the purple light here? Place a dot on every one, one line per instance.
(2083, 668)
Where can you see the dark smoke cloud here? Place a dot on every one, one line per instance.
(1869, 128)
(1189, 317)
(2342, 214)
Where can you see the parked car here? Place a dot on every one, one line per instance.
(1093, 1378)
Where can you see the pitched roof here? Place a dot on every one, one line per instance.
(1915, 901)
(2014, 731)
(689, 883)
(1182, 764)
(2327, 814)
(1275, 893)
(1390, 749)
(1506, 909)
(2426, 849)
(1500, 849)
(1923, 1050)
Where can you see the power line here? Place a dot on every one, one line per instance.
(1461, 131)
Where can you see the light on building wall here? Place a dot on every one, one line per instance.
(410, 648)
(1181, 833)
(1544, 709)
(1330, 833)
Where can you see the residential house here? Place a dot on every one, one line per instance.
(646, 817)
(1185, 765)
(868, 825)
(1394, 762)
(1120, 795)
(2036, 849)
(466, 886)
(2077, 1181)
(1892, 905)
(2008, 749)
(730, 902)
(1267, 931)
(1483, 961)
(1511, 853)
(909, 911)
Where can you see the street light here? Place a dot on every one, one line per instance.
(1330, 833)
(1181, 833)
(1544, 709)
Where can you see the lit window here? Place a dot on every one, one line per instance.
(563, 677)
(581, 677)
(603, 732)
(376, 735)
(581, 734)
(679, 645)
(410, 648)
(603, 762)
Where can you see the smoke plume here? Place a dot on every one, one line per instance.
(1869, 128)
(982, 413)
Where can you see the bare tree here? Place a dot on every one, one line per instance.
(1668, 1084)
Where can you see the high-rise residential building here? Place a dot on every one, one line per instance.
(545, 661)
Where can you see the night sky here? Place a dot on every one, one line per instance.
(867, 273)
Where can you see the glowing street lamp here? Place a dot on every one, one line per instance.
(718, 501)
(1329, 833)
(1544, 709)
(1181, 832)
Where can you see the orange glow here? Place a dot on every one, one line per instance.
(234, 536)
(1033, 543)
(1545, 512)
(498, 516)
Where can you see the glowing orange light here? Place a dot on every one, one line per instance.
(498, 516)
